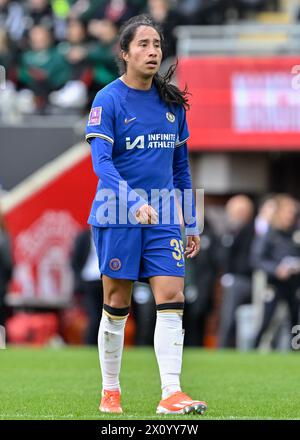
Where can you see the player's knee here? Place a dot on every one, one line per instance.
(117, 296)
(174, 296)
(117, 302)
(117, 299)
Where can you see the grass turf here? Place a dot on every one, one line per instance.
(65, 384)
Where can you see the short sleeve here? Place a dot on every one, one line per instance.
(183, 132)
(101, 118)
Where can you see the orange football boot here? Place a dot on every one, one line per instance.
(111, 402)
(181, 403)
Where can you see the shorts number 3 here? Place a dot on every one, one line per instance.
(178, 252)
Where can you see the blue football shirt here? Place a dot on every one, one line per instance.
(138, 133)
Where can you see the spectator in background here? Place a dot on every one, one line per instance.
(42, 67)
(6, 54)
(74, 50)
(236, 281)
(279, 257)
(203, 12)
(117, 11)
(262, 224)
(167, 18)
(84, 10)
(76, 42)
(39, 12)
(102, 54)
(6, 266)
(201, 275)
(12, 19)
(84, 263)
(48, 14)
(8, 92)
(264, 216)
(189, 10)
(253, 6)
(99, 56)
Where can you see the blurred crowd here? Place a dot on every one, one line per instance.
(266, 241)
(58, 53)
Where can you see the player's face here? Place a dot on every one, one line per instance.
(286, 215)
(144, 54)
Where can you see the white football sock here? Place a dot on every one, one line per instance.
(168, 346)
(110, 345)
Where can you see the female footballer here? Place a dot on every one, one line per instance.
(137, 131)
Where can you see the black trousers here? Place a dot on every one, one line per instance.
(233, 295)
(144, 311)
(2, 307)
(288, 295)
(93, 302)
(198, 304)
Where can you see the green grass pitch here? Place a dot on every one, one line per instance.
(65, 384)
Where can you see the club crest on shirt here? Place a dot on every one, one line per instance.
(95, 116)
(170, 117)
(115, 264)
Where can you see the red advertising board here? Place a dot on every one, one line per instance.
(43, 216)
(242, 103)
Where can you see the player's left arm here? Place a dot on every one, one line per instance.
(182, 180)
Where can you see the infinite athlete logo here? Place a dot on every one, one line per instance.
(115, 264)
(153, 140)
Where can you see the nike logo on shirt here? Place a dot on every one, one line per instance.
(129, 120)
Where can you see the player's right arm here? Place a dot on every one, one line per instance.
(100, 134)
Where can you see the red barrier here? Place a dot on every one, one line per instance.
(32, 329)
(43, 217)
(243, 103)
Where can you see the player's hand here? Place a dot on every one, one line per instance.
(282, 272)
(192, 246)
(146, 215)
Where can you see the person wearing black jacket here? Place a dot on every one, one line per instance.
(6, 267)
(202, 273)
(84, 263)
(236, 281)
(278, 255)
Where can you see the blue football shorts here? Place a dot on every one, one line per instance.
(139, 253)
